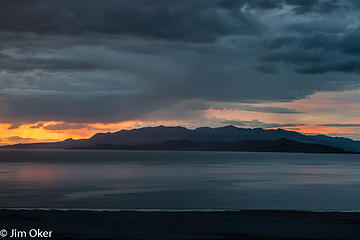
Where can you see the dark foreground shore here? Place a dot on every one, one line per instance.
(250, 225)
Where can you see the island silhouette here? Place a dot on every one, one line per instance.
(228, 138)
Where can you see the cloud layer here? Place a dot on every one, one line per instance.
(92, 61)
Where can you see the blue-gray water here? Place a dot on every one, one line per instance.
(178, 180)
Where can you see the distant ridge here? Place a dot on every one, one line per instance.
(161, 134)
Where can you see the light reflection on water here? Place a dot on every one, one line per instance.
(178, 180)
(42, 173)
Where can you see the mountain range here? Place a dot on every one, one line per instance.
(221, 136)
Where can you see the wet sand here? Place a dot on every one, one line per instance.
(250, 225)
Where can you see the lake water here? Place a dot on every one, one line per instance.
(178, 180)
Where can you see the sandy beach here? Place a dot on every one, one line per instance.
(248, 225)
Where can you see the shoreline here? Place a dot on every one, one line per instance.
(190, 151)
(140, 224)
(175, 210)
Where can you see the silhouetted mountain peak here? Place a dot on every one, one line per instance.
(229, 127)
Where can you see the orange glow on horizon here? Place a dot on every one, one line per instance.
(47, 132)
(314, 112)
(27, 134)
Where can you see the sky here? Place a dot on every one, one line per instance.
(70, 69)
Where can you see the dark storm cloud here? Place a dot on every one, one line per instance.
(103, 106)
(320, 6)
(347, 65)
(105, 61)
(267, 68)
(18, 139)
(278, 110)
(52, 64)
(15, 125)
(39, 125)
(298, 6)
(340, 125)
(311, 27)
(254, 4)
(253, 108)
(346, 42)
(318, 51)
(64, 126)
(184, 20)
(258, 124)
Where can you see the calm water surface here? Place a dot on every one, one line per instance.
(178, 180)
